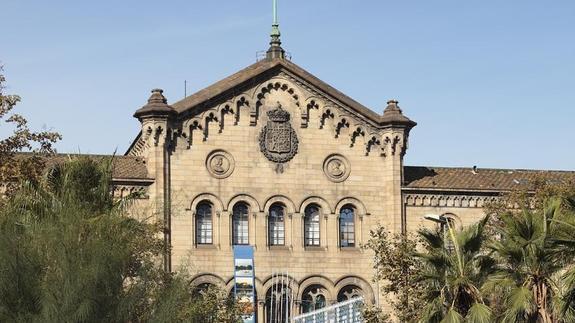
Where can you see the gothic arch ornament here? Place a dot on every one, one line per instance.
(312, 103)
(374, 141)
(263, 90)
(240, 103)
(327, 114)
(357, 133)
(393, 143)
(342, 124)
(209, 117)
(278, 140)
(189, 128)
(225, 110)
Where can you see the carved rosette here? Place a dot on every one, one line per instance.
(336, 168)
(278, 140)
(220, 164)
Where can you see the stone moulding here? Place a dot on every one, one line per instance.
(122, 190)
(448, 200)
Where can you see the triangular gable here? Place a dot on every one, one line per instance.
(220, 90)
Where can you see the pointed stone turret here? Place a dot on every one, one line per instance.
(393, 115)
(394, 140)
(155, 118)
(157, 106)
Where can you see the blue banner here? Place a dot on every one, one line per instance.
(244, 289)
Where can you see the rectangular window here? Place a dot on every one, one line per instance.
(204, 231)
(312, 233)
(347, 233)
(240, 230)
(277, 236)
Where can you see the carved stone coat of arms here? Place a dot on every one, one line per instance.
(278, 140)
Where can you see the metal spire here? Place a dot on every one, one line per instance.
(275, 50)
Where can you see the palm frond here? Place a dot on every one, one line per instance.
(479, 313)
(519, 303)
(452, 316)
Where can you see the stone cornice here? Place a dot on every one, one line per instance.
(460, 200)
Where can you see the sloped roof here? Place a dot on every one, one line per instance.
(247, 75)
(123, 167)
(448, 178)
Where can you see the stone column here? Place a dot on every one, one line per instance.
(297, 232)
(261, 229)
(225, 230)
(332, 232)
(288, 227)
(261, 310)
(252, 229)
(323, 230)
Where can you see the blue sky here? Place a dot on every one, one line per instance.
(491, 83)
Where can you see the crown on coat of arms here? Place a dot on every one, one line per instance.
(278, 114)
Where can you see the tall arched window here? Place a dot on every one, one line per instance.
(204, 223)
(313, 298)
(240, 224)
(276, 225)
(348, 292)
(347, 226)
(311, 225)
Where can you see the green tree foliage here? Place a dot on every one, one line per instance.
(21, 138)
(516, 265)
(397, 268)
(374, 314)
(69, 253)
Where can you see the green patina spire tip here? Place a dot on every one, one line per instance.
(275, 50)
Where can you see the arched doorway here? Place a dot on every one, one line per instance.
(279, 303)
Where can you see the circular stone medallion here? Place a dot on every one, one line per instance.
(336, 168)
(220, 164)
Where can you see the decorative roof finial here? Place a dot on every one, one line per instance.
(275, 50)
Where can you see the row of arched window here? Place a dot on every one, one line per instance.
(280, 303)
(275, 224)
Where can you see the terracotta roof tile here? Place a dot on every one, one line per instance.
(479, 179)
(123, 167)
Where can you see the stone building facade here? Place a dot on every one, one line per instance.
(274, 158)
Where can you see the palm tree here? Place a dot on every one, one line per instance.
(455, 268)
(534, 253)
